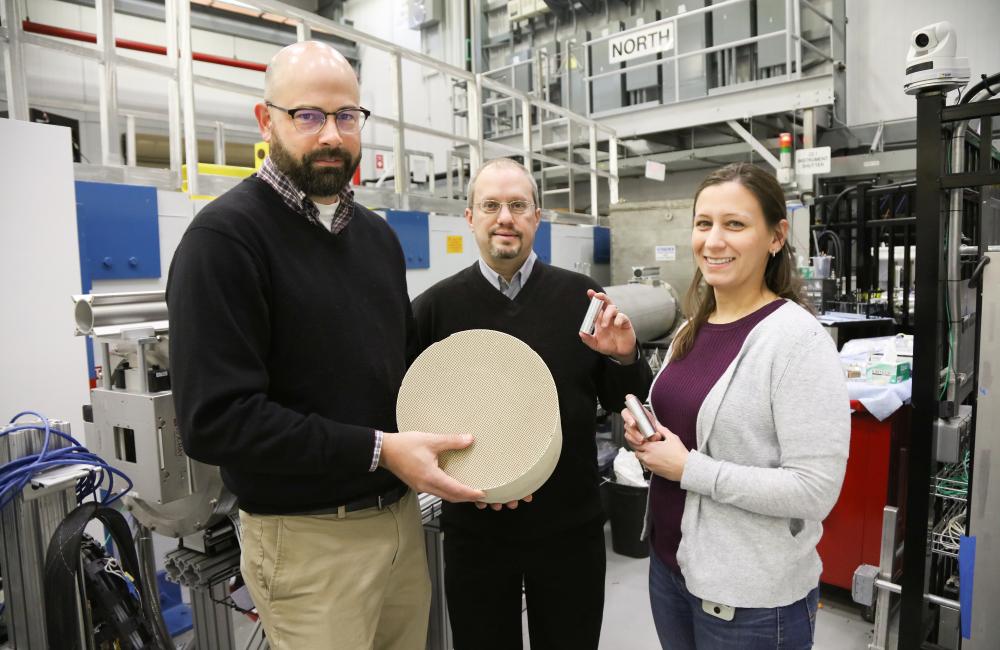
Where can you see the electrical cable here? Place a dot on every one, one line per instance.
(985, 82)
(837, 199)
(951, 339)
(17, 474)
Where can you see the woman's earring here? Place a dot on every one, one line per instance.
(773, 253)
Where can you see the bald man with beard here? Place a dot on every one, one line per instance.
(290, 333)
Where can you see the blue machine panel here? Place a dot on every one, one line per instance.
(602, 245)
(119, 232)
(543, 242)
(413, 230)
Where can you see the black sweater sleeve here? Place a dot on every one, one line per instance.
(220, 335)
(617, 381)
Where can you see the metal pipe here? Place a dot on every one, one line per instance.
(613, 170)
(812, 47)
(476, 36)
(130, 157)
(139, 46)
(303, 32)
(526, 135)
(186, 79)
(797, 32)
(474, 121)
(553, 162)
(15, 79)
(788, 37)
(810, 6)
(220, 143)
(400, 172)
(677, 70)
(593, 172)
(754, 144)
(107, 84)
(547, 107)
(931, 598)
(99, 310)
(173, 90)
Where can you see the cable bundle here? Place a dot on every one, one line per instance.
(17, 474)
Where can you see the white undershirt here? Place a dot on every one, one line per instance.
(326, 212)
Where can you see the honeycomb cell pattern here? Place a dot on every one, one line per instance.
(494, 386)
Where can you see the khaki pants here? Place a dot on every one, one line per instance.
(352, 583)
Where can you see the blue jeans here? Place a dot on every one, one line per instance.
(681, 624)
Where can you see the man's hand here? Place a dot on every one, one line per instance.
(510, 504)
(613, 334)
(413, 457)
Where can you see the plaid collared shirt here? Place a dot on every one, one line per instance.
(297, 200)
(301, 204)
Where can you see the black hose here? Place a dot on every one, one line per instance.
(984, 83)
(836, 201)
(150, 592)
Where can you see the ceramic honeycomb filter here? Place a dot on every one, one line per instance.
(497, 388)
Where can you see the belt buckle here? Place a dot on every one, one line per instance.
(378, 501)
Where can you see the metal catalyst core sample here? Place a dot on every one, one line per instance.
(497, 388)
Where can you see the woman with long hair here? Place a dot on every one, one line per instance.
(752, 434)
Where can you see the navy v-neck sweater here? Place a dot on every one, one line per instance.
(287, 348)
(546, 315)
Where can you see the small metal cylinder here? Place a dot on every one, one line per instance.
(641, 419)
(587, 327)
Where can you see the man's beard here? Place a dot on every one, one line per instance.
(499, 253)
(315, 181)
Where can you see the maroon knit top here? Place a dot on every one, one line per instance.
(676, 398)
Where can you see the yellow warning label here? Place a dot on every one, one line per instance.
(454, 244)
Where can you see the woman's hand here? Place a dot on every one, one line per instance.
(663, 453)
(632, 433)
(613, 334)
(665, 457)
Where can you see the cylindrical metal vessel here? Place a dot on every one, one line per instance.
(653, 310)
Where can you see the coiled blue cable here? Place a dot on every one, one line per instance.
(17, 474)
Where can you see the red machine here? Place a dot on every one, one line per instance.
(852, 533)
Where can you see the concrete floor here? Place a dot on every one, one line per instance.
(628, 623)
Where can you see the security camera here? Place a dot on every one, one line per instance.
(931, 63)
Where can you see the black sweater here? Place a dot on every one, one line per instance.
(546, 314)
(287, 347)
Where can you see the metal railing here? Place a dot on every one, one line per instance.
(182, 119)
(727, 52)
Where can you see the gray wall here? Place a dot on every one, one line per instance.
(878, 33)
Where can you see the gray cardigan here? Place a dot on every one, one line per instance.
(772, 442)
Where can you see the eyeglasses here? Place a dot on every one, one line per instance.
(312, 120)
(490, 206)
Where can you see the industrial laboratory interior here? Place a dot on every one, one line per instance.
(775, 221)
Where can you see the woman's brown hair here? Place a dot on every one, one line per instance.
(780, 274)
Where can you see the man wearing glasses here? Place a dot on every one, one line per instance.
(553, 544)
(290, 333)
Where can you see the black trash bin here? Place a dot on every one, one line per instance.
(627, 505)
